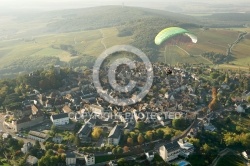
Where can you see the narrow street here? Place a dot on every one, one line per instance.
(10, 131)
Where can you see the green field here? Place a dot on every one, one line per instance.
(93, 42)
(84, 42)
(175, 55)
(242, 52)
(212, 40)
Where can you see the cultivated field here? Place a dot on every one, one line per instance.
(212, 40)
(94, 42)
(86, 42)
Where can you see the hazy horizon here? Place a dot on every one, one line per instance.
(45, 5)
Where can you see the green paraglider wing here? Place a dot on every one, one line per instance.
(168, 33)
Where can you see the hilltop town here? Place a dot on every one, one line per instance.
(56, 116)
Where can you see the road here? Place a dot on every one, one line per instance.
(1, 122)
(12, 133)
(159, 143)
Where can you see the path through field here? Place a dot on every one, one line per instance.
(102, 41)
(182, 49)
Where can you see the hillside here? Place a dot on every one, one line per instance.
(37, 40)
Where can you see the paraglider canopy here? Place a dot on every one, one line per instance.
(168, 33)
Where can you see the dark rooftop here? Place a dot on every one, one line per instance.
(59, 116)
(115, 132)
(172, 146)
(70, 155)
(85, 129)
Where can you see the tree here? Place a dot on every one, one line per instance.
(245, 140)
(179, 123)
(167, 136)
(20, 143)
(53, 129)
(96, 133)
(114, 151)
(248, 99)
(119, 150)
(125, 149)
(214, 75)
(22, 162)
(43, 161)
(195, 142)
(140, 139)
(206, 149)
(149, 135)
(60, 150)
(140, 125)
(48, 145)
(130, 141)
(37, 145)
(214, 103)
(77, 141)
(49, 153)
(121, 161)
(53, 160)
(134, 136)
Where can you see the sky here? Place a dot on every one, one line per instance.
(67, 4)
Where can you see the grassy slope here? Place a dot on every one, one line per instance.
(90, 41)
(215, 40)
(85, 42)
(242, 52)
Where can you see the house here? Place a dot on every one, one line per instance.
(66, 109)
(192, 132)
(57, 139)
(37, 136)
(186, 146)
(172, 98)
(240, 109)
(34, 110)
(49, 103)
(209, 127)
(84, 133)
(180, 106)
(150, 156)
(26, 147)
(60, 119)
(166, 95)
(98, 110)
(115, 135)
(31, 160)
(246, 155)
(70, 159)
(92, 122)
(89, 159)
(170, 151)
(128, 127)
(165, 122)
(34, 117)
(5, 135)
